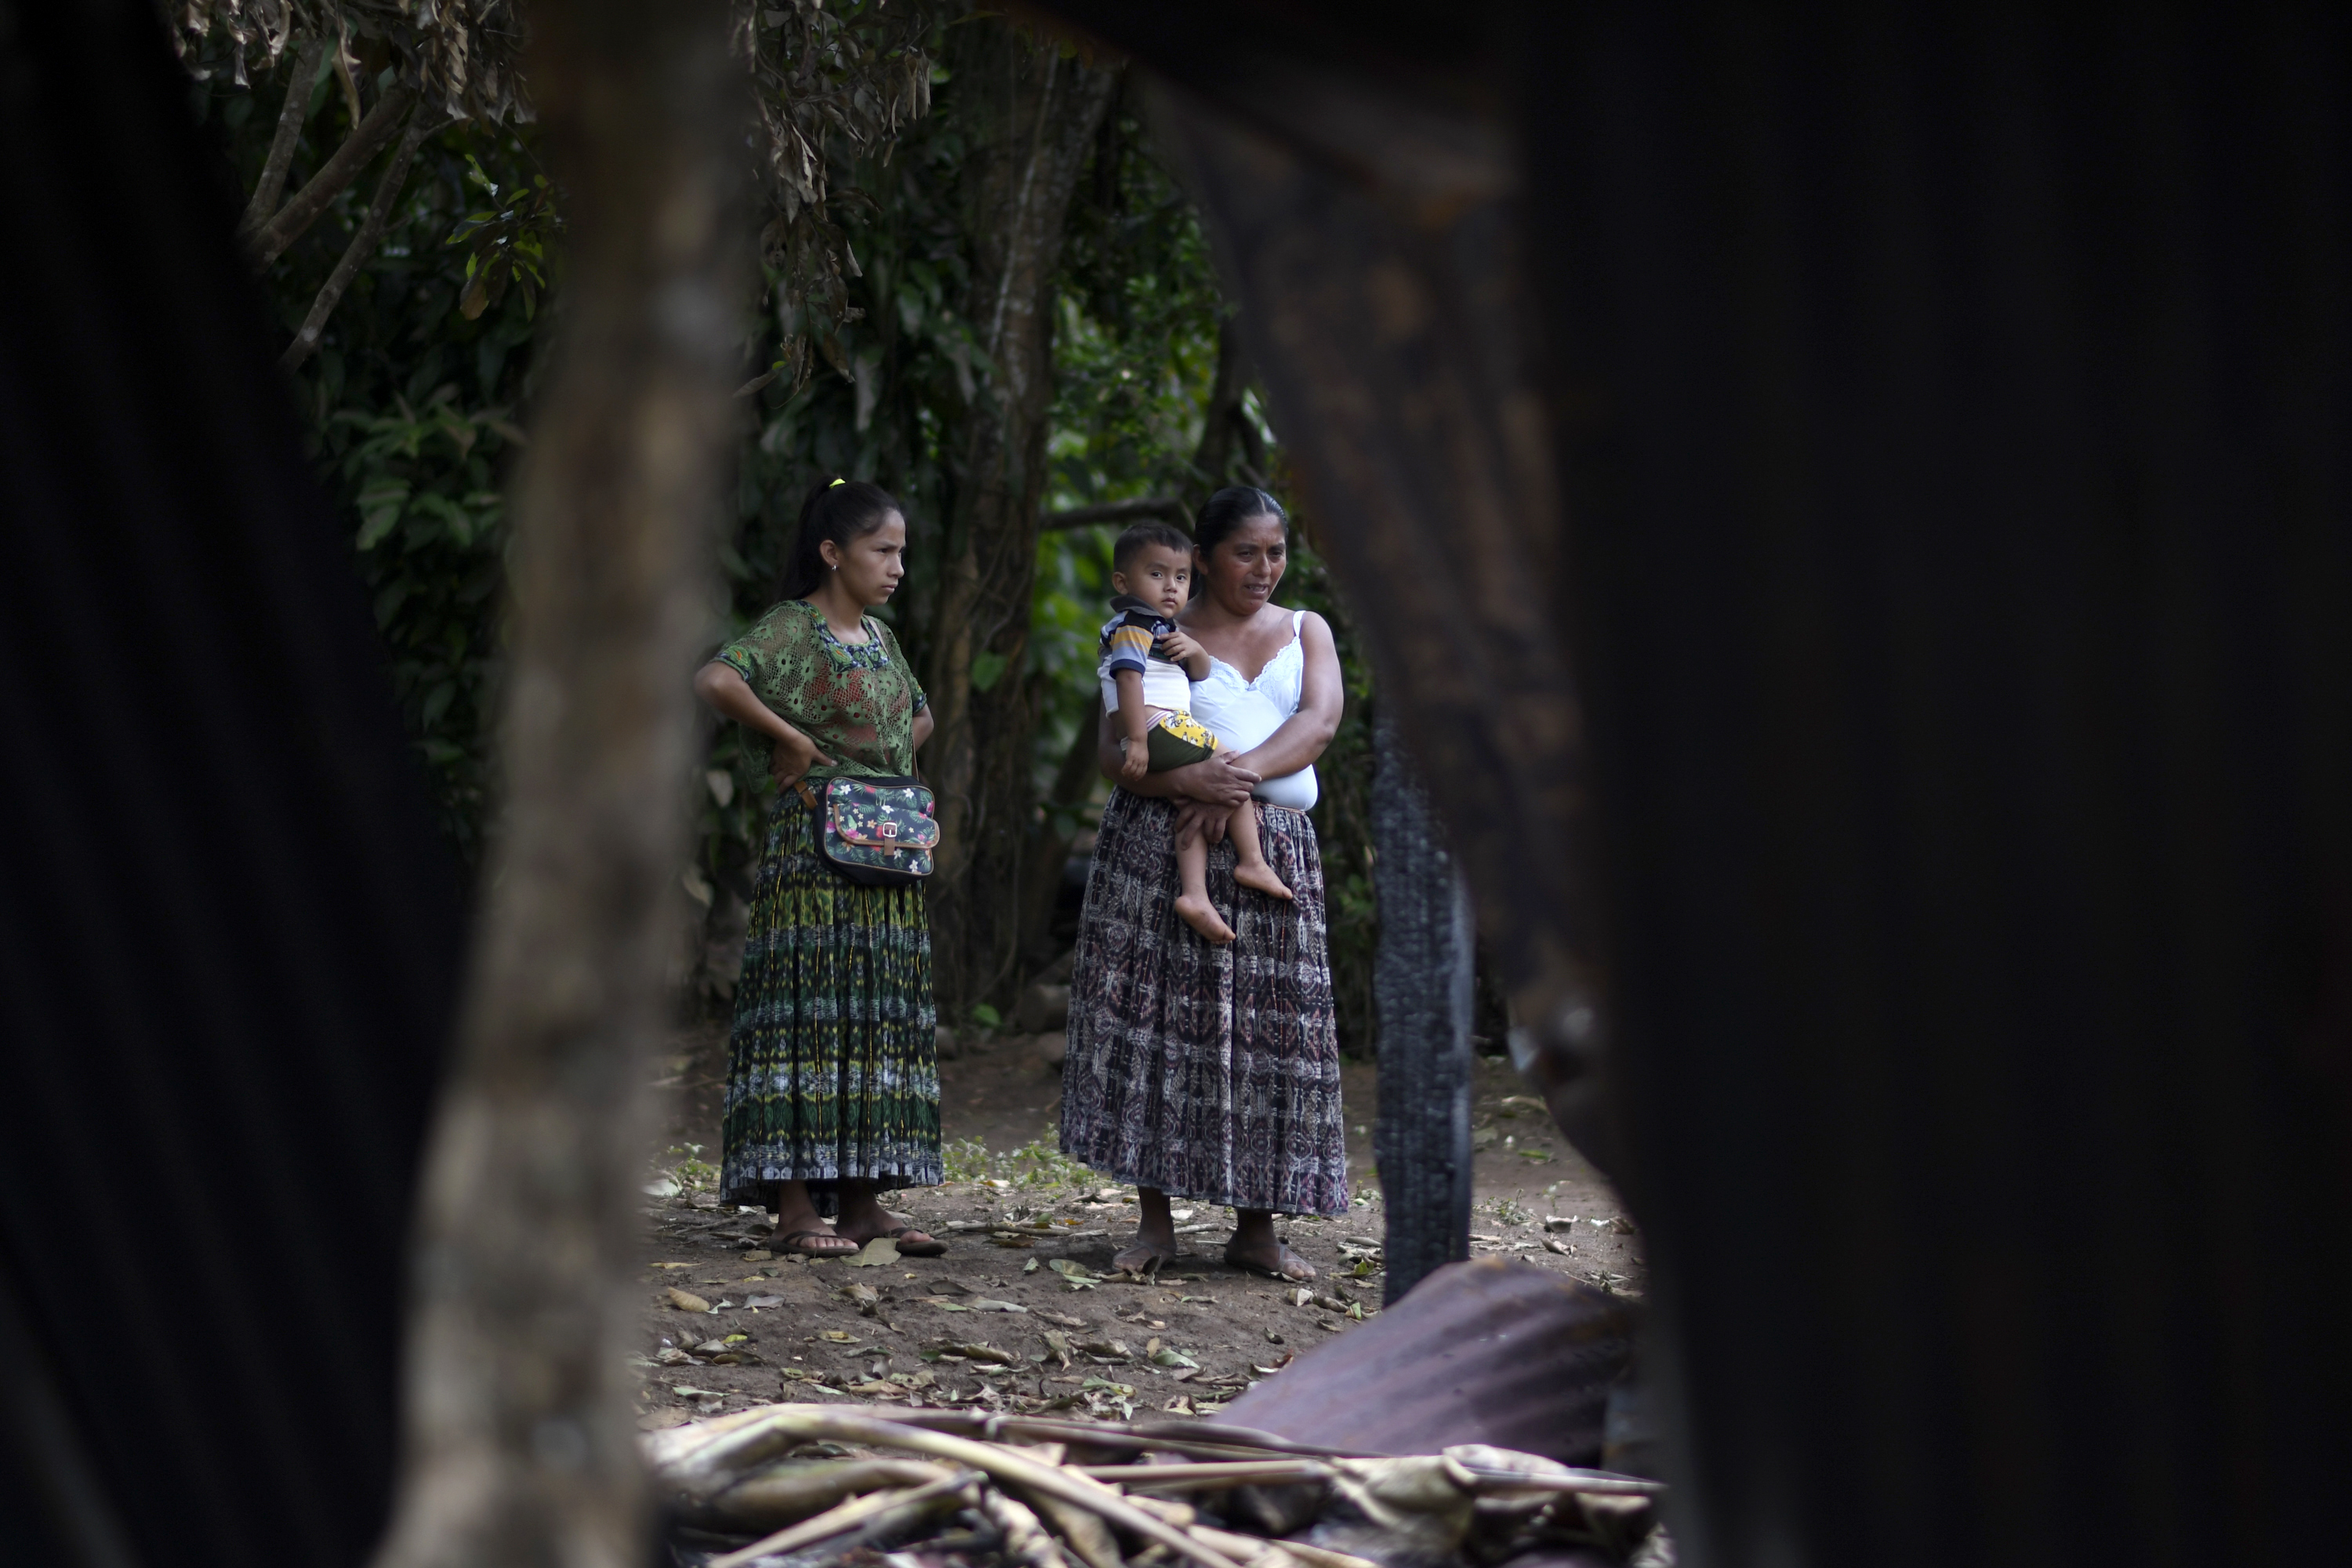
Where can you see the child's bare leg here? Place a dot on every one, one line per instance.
(1192, 902)
(1250, 869)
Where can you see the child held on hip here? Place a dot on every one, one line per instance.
(1148, 666)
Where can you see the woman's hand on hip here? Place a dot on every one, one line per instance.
(793, 755)
(1214, 781)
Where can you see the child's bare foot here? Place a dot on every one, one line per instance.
(1262, 878)
(1201, 916)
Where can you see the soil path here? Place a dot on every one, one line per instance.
(993, 1322)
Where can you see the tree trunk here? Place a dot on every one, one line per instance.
(1030, 115)
(518, 1441)
(1221, 420)
(1223, 426)
(1424, 981)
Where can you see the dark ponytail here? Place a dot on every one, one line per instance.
(1226, 512)
(839, 510)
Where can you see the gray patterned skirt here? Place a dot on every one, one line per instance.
(1208, 1072)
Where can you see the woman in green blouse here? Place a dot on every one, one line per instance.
(833, 1081)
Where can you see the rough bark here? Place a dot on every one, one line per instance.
(1424, 982)
(1029, 115)
(517, 1429)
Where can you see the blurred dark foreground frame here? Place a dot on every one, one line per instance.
(1851, 515)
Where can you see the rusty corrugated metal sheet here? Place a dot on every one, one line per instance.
(1485, 1352)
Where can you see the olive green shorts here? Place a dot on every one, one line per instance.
(1177, 739)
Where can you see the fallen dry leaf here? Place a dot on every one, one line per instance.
(685, 1300)
(875, 1253)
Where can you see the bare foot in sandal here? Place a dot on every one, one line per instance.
(863, 1218)
(800, 1229)
(817, 1241)
(1155, 1237)
(1255, 1247)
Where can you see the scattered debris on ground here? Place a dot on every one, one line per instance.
(1025, 1313)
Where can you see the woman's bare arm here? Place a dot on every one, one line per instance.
(1321, 700)
(924, 725)
(731, 697)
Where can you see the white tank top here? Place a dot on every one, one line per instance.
(1243, 713)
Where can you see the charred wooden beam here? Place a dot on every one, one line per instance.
(1422, 985)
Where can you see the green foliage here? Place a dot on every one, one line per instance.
(511, 242)
(414, 406)
(410, 404)
(1038, 1167)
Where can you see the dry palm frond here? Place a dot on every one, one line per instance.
(1008, 1474)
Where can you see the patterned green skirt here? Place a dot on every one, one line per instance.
(832, 1066)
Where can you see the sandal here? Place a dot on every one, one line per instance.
(1154, 1260)
(790, 1242)
(1283, 1273)
(929, 1246)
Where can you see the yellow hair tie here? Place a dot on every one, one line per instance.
(837, 482)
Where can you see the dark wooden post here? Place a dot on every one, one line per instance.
(1423, 986)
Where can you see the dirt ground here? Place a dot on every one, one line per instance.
(1020, 1314)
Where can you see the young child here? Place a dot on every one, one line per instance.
(1148, 668)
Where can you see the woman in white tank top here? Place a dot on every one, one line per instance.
(1213, 1073)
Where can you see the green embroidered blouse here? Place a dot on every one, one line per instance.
(857, 703)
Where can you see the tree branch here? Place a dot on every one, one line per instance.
(292, 116)
(421, 124)
(1167, 507)
(358, 151)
